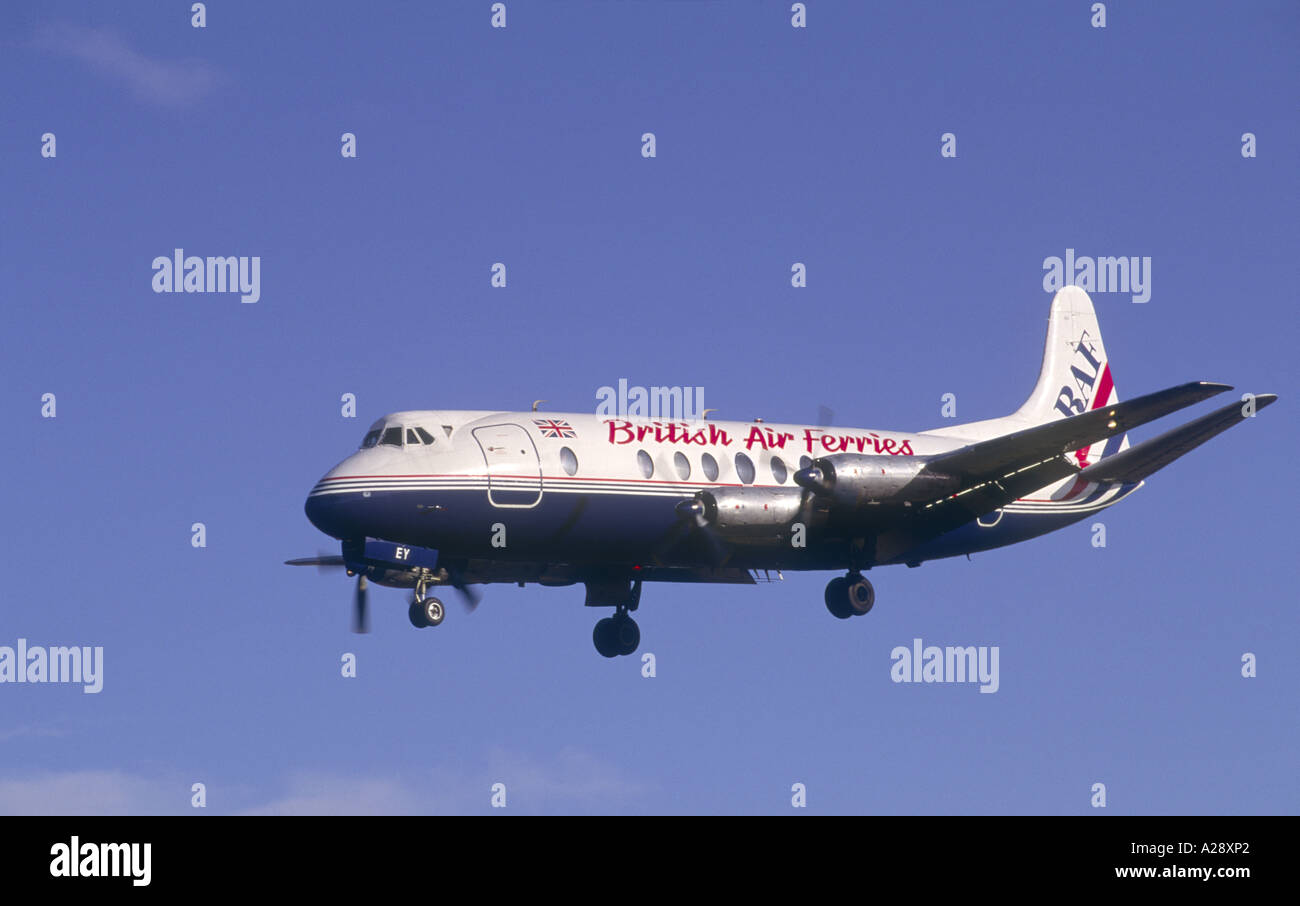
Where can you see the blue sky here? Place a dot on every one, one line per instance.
(774, 145)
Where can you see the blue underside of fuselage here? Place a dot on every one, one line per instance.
(612, 528)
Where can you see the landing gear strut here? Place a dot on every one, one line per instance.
(849, 596)
(425, 612)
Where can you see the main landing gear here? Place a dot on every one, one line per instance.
(849, 596)
(425, 612)
(616, 635)
(619, 634)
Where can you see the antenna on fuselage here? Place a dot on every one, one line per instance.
(707, 411)
(537, 403)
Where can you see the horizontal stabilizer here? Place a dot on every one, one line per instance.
(997, 457)
(1136, 463)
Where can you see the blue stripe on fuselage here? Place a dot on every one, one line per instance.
(615, 527)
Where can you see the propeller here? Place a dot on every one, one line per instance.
(324, 563)
(469, 595)
(360, 597)
(692, 518)
(360, 607)
(816, 478)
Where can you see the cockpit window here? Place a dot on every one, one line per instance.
(392, 436)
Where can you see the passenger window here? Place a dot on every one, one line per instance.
(745, 468)
(392, 437)
(424, 435)
(778, 470)
(710, 466)
(370, 440)
(683, 466)
(569, 461)
(646, 463)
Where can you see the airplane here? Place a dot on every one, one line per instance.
(456, 499)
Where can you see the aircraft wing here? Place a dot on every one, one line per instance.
(1003, 455)
(1136, 463)
(1000, 471)
(984, 496)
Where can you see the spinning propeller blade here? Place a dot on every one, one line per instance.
(360, 607)
(691, 520)
(323, 563)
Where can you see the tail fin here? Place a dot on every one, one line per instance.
(1075, 377)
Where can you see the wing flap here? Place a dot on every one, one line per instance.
(721, 575)
(948, 513)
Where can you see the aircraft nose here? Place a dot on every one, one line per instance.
(326, 508)
(317, 512)
(333, 514)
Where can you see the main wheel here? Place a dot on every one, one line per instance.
(627, 634)
(433, 611)
(861, 596)
(837, 598)
(604, 638)
(415, 613)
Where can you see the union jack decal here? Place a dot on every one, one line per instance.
(554, 427)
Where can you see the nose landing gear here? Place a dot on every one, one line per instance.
(849, 596)
(425, 612)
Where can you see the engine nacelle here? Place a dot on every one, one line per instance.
(750, 512)
(853, 480)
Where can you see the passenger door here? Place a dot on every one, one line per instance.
(513, 467)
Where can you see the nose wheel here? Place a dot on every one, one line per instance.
(849, 596)
(425, 611)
